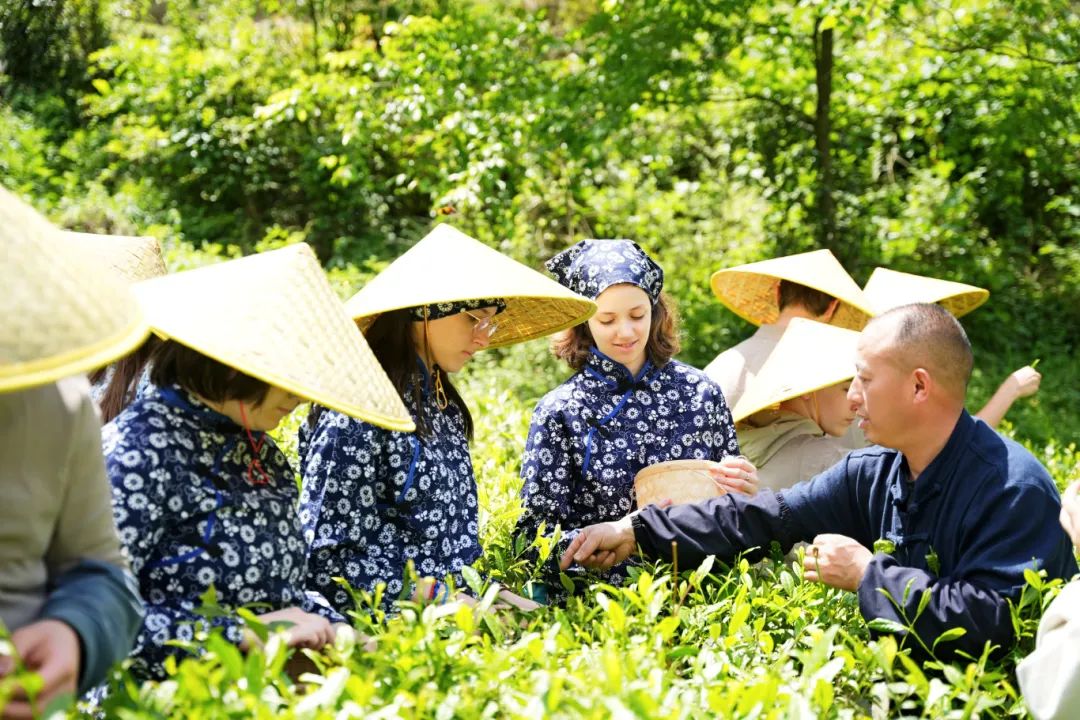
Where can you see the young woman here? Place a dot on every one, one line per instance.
(375, 501)
(628, 406)
(203, 498)
(794, 414)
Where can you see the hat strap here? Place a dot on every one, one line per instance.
(440, 394)
(256, 448)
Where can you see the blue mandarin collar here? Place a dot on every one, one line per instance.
(939, 471)
(614, 374)
(179, 398)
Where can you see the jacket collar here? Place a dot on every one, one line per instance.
(937, 474)
(179, 398)
(614, 374)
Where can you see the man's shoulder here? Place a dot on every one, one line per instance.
(1007, 461)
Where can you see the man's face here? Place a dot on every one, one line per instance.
(880, 391)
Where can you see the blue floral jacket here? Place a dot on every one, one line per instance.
(189, 517)
(591, 435)
(374, 499)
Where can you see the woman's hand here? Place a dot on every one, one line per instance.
(306, 630)
(736, 474)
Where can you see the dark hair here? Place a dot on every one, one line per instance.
(120, 392)
(929, 336)
(176, 364)
(575, 344)
(815, 301)
(390, 338)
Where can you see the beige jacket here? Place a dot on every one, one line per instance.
(56, 504)
(734, 368)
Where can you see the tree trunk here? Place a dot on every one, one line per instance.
(823, 67)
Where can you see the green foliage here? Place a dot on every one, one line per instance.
(689, 126)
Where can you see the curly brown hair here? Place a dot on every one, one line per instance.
(574, 344)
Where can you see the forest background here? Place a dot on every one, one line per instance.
(933, 136)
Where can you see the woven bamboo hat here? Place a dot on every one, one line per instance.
(887, 289)
(59, 314)
(449, 266)
(749, 290)
(809, 356)
(134, 258)
(274, 316)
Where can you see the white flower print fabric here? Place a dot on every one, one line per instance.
(591, 435)
(191, 515)
(374, 499)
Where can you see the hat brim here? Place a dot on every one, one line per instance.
(61, 312)
(749, 290)
(887, 289)
(274, 316)
(449, 266)
(808, 357)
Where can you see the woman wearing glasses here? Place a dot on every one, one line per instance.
(373, 500)
(628, 406)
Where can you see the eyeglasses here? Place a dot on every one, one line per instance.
(483, 326)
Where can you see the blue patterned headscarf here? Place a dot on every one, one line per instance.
(445, 309)
(592, 266)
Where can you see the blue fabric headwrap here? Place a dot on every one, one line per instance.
(445, 309)
(592, 266)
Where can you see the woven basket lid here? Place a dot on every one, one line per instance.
(134, 258)
(59, 313)
(749, 290)
(887, 289)
(274, 316)
(448, 266)
(681, 481)
(809, 356)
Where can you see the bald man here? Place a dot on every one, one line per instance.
(964, 510)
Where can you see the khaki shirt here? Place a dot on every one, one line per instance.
(790, 449)
(56, 500)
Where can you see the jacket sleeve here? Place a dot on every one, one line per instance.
(351, 472)
(973, 594)
(723, 526)
(1050, 676)
(89, 585)
(733, 523)
(547, 474)
(100, 601)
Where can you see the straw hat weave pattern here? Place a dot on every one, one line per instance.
(749, 290)
(274, 316)
(448, 266)
(60, 314)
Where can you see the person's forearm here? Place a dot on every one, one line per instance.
(993, 412)
(723, 526)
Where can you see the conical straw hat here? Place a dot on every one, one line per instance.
(134, 258)
(59, 314)
(449, 266)
(809, 356)
(749, 290)
(887, 289)
(274, 316)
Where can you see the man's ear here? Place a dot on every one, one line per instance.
(830, 311)
(921, 384)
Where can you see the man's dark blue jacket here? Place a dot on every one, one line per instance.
(982, 512)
